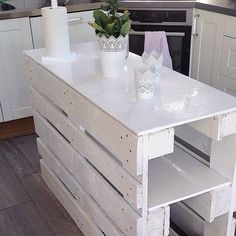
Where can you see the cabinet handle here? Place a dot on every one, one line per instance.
(194, 28)
(75, 19)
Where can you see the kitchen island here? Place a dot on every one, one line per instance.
(111, 159)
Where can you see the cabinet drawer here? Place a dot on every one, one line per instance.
(228, 60)
(230, 26)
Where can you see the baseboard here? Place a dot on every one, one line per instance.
(16, 128)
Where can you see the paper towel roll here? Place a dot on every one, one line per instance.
(56, 34)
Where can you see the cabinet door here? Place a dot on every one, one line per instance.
(207, 47)
(227, 85)
(79, 30)
(15, 36)
(228, 60)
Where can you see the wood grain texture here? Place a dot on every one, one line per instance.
(49, 208)
(11, 191)
(25, 220)
(21, 154)
(15, 128)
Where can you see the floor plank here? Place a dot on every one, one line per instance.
(21, 154)
(11, 190)
(25, 220)
(50, 209)
(6, 227)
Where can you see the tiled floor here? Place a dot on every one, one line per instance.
(27, 207)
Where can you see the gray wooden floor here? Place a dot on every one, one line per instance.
(27, 207)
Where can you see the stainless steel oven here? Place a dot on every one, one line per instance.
(176, 23)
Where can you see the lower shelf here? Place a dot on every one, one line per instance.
(179, 176)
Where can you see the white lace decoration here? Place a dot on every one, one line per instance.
(112, 44)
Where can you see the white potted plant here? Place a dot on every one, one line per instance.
(112, 30)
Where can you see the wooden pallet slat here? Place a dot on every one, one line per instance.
(84, 200)
(87, 227)
(211, 205)
(44, 81)
(217, 127)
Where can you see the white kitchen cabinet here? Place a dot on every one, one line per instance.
(79, 30)
(207, 46)
(15, 36)
(227, 81)
(230, 26)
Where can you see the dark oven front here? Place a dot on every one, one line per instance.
(178, 33)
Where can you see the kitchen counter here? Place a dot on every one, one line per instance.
(227, 7)
(75, 6)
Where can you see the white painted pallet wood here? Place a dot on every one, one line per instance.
(179, 99)
(212, 204)
(223, 159)
(158, 222)
(179, 176)
(217, 127)
(233, 227)
(83, 199)
(124, 144)
(126, 218)
(81, 219)
(47, 84)
(129, 187)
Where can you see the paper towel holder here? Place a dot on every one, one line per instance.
(53, 52)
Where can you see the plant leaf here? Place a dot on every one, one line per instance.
(125, 29)
(101, 18)
(98, 27)
(110, 28)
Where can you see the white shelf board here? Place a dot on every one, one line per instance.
(179, 176)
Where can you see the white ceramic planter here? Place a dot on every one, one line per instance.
(113, 52)
(112, 63)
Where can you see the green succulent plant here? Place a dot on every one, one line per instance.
(109, 22)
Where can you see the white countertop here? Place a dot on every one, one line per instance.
(178, 99)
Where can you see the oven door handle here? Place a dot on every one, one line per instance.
(168, 34)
